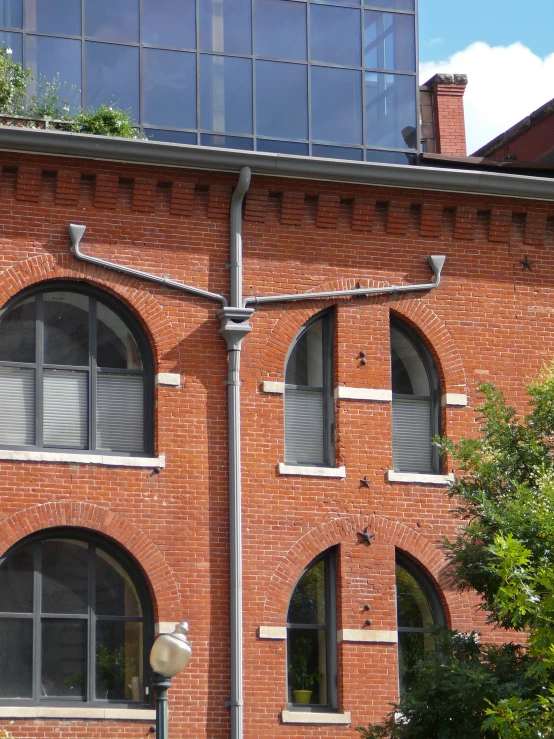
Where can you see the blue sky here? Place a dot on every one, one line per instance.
(506, 47)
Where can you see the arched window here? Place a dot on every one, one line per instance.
(418, 612)
(312, 636)
(309, 420)
(75, 373)
(415, 402)
(75, 622)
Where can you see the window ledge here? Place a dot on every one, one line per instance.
(308, 471)
(311, 717)
(20, 455)
(129, 714)
(421, 478)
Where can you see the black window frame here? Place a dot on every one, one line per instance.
(94, 541)
(98, 296)
(434, 386)
(328, 341)
(330, 557)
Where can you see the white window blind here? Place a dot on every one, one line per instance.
(304, 432)
(120, 413)
(65, 417)
(411, 435)
(17, 405)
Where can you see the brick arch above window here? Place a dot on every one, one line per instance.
(157, 573)
(132, 293)
(426, 554)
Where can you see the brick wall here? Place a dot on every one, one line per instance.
(489, 320)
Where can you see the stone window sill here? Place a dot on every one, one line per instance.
(20, 455)
(311, 717)
(309, 471)
(59, 712)
(422, 479)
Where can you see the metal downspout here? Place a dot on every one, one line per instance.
(234, 327)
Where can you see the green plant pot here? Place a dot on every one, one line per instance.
(302, 696)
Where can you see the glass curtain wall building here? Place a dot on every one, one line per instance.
(330, 79)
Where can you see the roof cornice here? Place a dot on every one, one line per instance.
(113, 149)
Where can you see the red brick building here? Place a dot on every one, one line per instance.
(108, 535)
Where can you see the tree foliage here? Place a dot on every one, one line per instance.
(504, 494)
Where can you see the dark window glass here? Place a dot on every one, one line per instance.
(409, 374)
(169, 88)
(66, 328)
(226, 142)
(46, 649)
(226, 25)
(282, 100)
(336, 105)
(391, 4)
(169, 23)
(388, 157)
(116, 345)
(50, 58)
(281, 30)
(13, 41)
(390, 110)
(225, 94)
(112, 21)
(60, 17)
(11, 13)
(337, 152)
(311, 636)
(335, 35)
(389, 41)
(305, 363)
(171, 137)
(112, 75)
(17, 333)
(283, 147)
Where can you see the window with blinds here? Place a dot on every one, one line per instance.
(74, 374)
(415, 403)
(308, 399)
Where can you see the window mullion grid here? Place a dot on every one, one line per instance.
(92, 375)
(328, 400)
(91, 636)
(39, 372)
(331, 630)
(37, 621)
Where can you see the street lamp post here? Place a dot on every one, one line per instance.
(170, 655)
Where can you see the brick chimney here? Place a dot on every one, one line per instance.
(442, 114)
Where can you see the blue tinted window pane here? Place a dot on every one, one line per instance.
(390, 109)
(225, 94)
(339, 2)
(169, 88)
(335, 35)
(11, 13)
(389, 41)
(112, 21)
(13, 41)
(169, 23)
(283, 147)
(226, 142)
(48, 58)
(282, 100)
(171, 137)
(388, 157)
(111, 76)
(391, 4)
(281, 30)
(62, 17)
(336, 105)
(337, 152)
(226, 25)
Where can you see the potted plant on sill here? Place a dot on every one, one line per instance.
(299, 670)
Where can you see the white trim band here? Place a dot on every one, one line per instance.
(165, 627)
(368, 636)
(63, 713)
(273, 388)
(168, 379)
(311, 717)
(362, 393)
(19, 455)
(304, 470)
(272, 632)
(458, 399)
(418, 477)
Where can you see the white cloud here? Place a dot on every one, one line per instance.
(506, 83)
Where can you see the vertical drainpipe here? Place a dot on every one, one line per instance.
(234, 327)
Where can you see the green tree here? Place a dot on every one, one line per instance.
(504, 494)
